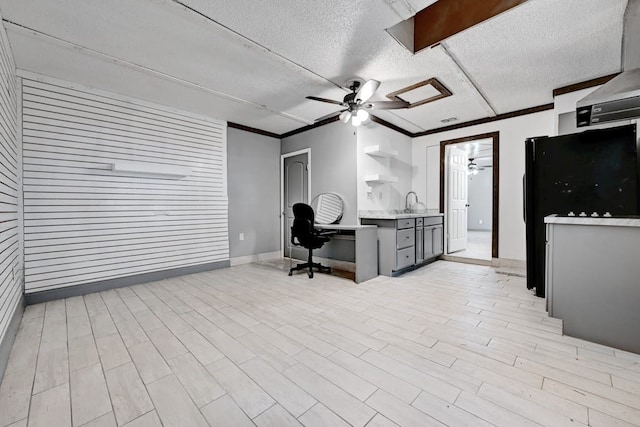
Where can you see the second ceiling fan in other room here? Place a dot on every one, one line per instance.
(356, 105)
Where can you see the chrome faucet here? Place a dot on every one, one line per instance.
(407, 206)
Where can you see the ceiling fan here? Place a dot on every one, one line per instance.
(474, 168)
(355, 103)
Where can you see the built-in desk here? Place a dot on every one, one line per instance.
(354, 247)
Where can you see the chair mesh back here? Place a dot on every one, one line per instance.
(302, 223)
(329, 209)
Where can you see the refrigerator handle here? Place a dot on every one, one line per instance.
(524, 197)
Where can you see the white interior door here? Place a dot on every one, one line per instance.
(457, 164)
(296, 177)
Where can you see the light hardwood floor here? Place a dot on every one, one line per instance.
(448, 344)
(478, 246)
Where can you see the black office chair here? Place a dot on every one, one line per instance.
(304, 234)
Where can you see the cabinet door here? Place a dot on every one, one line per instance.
(405, 238)
(405, 257)
(419, 244)
(428, 245)
(438, 244)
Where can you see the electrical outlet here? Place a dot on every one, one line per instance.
(480, 222)
(241, 236)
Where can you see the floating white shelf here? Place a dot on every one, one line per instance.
(380, 179)
(378, 151)
(150, 169)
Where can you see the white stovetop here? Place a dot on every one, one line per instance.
(581, 220)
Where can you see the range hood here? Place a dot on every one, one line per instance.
(618, 99)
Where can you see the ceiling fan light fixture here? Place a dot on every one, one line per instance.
(345, 116)
(362, 115)
(355, 103)
(473, 167)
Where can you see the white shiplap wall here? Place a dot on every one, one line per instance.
(10, 254)
(86, 223)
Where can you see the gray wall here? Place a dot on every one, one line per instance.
(253, 176)
(333, 163)
(480, 200)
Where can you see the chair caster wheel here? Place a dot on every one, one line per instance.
(310, 275)
(290, 273)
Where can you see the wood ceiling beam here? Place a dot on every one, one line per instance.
(445, 18)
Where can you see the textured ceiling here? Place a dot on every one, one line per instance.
(253, 63)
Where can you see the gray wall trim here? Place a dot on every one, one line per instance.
(6, 343)
(103, 285)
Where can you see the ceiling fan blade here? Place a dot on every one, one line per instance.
(328, 116)
(367, 90)
(330, 101)
(386, 105)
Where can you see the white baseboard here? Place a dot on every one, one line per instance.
(464, 260)
(506, 262)
(254, 258)
(495, 262)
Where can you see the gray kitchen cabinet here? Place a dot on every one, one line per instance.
(438, 242)
(406, 243)
(591, 278)
(433, 243)
(428, 243)
(396, 243)
(420, 239)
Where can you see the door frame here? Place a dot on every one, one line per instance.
(495, 136)
(282, 183)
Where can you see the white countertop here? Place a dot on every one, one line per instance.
(398, 214)
(586, 220)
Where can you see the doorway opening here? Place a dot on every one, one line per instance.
(469, 183)
(295, 187)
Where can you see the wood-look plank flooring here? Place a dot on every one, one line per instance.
(448, 344)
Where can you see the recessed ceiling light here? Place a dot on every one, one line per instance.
(449, 120)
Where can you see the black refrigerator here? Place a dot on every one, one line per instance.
(596, 172)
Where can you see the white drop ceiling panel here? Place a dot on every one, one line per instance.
(519, 57)
(254, 62)
(419, 94)
(70, 65)
(394, 118)
(163, 36)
